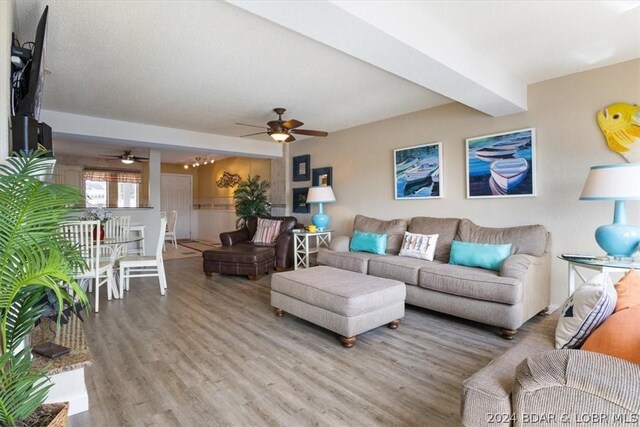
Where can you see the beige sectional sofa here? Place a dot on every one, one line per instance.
(505, 298)
(534, 384)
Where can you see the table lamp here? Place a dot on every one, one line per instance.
(618, 183)
(320, 195)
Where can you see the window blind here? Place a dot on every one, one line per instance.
(112, 176)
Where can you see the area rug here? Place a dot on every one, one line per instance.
(197, 246)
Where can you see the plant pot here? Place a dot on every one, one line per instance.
(98, 233)
(50, 415)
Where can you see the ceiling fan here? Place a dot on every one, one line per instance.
(283, 130)
(127, 158)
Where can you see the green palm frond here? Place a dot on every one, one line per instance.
(34, 257)
(251, 199)
(22, 391)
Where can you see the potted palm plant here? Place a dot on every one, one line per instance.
(34, 258)
(251, 199)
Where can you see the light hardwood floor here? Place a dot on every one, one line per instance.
(211, 352)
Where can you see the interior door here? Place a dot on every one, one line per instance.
(176, 195)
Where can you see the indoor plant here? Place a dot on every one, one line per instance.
(34, 258)
(251, 199)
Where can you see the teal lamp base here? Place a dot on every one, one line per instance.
(320, 220)
(618, 239)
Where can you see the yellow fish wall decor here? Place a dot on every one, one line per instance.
(620, 124)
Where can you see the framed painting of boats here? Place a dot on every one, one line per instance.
(502, 165)
(418, 171)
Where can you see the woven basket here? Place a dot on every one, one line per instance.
(60, 420)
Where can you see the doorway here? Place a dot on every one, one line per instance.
(176, 194)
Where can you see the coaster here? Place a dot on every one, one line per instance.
(50, 350)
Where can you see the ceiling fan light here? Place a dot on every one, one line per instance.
(127, 161)
(279, 136)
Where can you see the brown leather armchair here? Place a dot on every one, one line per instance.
(283, 248)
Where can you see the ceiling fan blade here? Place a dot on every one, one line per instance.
(253, 126)
(290, 139)
(309, 132)
(140, 159)
(113, 157)
(251, 134)
(292, 124)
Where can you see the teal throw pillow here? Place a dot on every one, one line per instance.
(481, 255)
(368, 242)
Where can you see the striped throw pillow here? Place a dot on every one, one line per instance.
(267, 231)
(589, 306)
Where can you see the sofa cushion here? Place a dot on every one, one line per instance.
(445, 228)
(470, 282)
(400, 268)
(527, 239)
(368, 242)
(585, 310)
(628, 290)
(352, 261)
(483, 255)
(267, 231)
(422, 246)
(618, 336)
(394, 229)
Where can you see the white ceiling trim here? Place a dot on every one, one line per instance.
(398, 39)
(106, 130)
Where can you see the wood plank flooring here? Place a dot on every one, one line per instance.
(211, 352)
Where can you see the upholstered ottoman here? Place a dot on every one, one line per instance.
(344, 302)
(242, 260)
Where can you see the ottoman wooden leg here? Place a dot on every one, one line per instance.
(254, 277)
(508, 334)
(279, 312)
(208, 273)
(394, 324)
(347, 342)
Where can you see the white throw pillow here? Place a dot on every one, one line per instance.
(585, 310)
(421, 246)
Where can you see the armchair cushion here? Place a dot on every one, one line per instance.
(267, 231)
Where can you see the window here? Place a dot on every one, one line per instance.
(127, 195)
(97, 192)
(123, 191)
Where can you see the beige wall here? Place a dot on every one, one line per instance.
(568, 142)
(208, 175)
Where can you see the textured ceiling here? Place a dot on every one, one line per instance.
(204, 65)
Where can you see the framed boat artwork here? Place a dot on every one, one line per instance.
(418, 172)
(502, 165)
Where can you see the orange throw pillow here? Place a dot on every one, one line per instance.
(618, 336)
(628, 289)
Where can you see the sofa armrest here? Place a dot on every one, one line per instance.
(515, 266)
(340, 244)
(535, 274)
(284, 251)
(230, 238)
(577, 382)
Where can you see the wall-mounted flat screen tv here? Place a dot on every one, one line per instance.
(30, 103)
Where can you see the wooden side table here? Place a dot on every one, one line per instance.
(600, 265)
(305, 244)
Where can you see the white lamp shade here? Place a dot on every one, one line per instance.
(613, 182)
(320, 195)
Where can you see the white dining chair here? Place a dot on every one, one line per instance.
(118, 227)
(145, 266)
(170, 234)
(99, 269)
